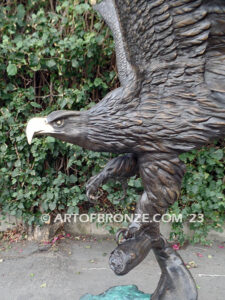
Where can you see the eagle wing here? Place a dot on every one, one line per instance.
(169, 42)
(215, 56)
(107, 10)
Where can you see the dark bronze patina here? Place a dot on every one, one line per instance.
(171, 65)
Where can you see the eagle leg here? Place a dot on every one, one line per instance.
(142, 222)
(120, 168)
(161, 175)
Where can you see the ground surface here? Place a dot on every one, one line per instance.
(75, 266)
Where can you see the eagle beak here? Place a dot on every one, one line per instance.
(37, 126)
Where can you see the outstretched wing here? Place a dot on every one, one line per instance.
(169, 42)
(215, 57)
(108, 11)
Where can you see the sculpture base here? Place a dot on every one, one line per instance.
(126, 292)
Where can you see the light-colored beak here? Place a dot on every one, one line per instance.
(37, 126)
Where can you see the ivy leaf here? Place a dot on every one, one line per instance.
(20, 13)
(52, 205)
(218, 154)
(51, 63)
(98, 82)
(50, 139)
(34, 60)
(11, 69)
(35, 104)
(75, 63)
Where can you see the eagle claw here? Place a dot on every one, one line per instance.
(92, 187)
(127, 233)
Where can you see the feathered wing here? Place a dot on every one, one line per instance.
(108, 11)
(169, 42)
(215, 56)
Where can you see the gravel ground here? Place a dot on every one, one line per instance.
(75, 266)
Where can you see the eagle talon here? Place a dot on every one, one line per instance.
(127, 233)
(92, 188)
(120, 232)
(92, 199)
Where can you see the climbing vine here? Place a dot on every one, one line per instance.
(59, 54)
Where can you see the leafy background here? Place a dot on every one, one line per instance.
(58, 54)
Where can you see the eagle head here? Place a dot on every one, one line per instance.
(67, 126)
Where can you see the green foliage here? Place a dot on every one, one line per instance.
(59, 55)
(53, 55)
(202, 194)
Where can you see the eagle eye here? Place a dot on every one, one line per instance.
(59, 123)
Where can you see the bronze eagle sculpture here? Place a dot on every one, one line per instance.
(171, 66)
